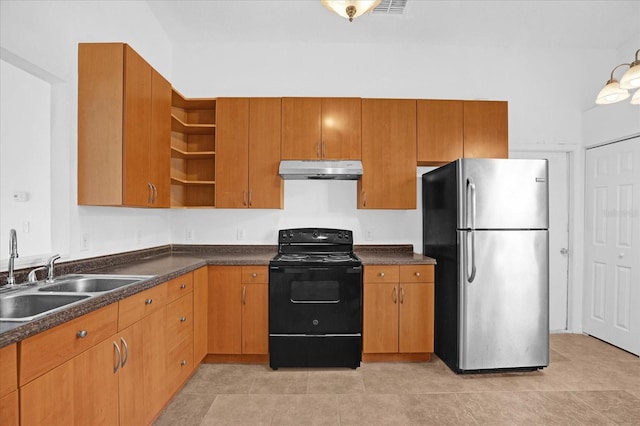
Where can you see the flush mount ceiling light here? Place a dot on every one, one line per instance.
(350, 9)
(616, 91)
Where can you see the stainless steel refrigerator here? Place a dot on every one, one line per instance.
(485, 221)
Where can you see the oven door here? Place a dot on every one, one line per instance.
(315, 300)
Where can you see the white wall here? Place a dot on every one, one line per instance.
(44, 35)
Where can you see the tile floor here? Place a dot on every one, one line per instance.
(588, 382)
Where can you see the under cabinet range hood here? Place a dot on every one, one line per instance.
(321, 169)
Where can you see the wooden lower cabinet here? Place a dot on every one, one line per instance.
(9, 408)
(200, 326)
(81, 391)
(238, 311)
(179, 335)
(398, 312)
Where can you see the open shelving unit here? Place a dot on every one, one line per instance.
(193, 151)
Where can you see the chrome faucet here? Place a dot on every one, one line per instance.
(13, 253)
(32, 277)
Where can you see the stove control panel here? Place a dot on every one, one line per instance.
(315, 236)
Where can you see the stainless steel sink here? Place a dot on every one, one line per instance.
(25, 307)
(92, 284)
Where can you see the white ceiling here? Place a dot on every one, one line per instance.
(506, 23)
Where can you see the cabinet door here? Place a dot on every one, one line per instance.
(137, 131)
(255, 319)
(160, 140)
(265, 184)
(10, 409)
(416, 317)
(131, 387)
(301, 128)
(232, 152)
(82, 391)
(440, 131)
(225, 314)
(486, 130)
(341, 128)
(200, 326)
(380, 318)
(388, 154)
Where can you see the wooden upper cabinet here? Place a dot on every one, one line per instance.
(123, 128)
(448, 130)
(388, 154)
(440, 133)
(232, 152)
(321, 128)
(486, 129)
(248, 153)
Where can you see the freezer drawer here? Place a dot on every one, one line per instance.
(503, 299)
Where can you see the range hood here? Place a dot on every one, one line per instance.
(321, 169)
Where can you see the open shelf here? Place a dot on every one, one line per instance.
(193, 151)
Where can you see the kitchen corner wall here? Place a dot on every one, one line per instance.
(546, 99)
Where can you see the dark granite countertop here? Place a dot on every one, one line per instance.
(167, 262)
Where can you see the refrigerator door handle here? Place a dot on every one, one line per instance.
(471, 203)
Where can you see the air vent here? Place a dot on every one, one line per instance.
(390, 7)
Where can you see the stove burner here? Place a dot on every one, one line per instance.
(294, 256)
(338, 257)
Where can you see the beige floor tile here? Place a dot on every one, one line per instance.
(620, 407)
(186, 410)
(435, 409)
(369, 410)
(280, 382)
(308, 410)
(243, 410)
(223, 378)
(335, 382)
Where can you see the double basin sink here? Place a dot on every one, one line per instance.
(32, 301)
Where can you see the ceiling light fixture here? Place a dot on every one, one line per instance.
(616, 91)
(350, 9)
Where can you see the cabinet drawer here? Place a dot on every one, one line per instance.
(381, 274)
(44, 351)
(179, 320)
(138, 306)
(416, 273)
(180, 286)
(8, 369)
(255, 274)
(179, 364)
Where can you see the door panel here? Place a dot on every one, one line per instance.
(504, 317)
(232, 152)
(611, 302)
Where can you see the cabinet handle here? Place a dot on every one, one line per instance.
(318, 149)
(381, 274)
(244, 295)
(395, 295)
(183, 319)
(183, 286)
(364, 198)
(324, 149)
(417, 274)
(82, 334)
(117, 366)
(244, 198)
(150, 193)
(155, 193)
(148, 301)
(402, 295)
(254, 275)
(184, 362)
(126, 351)
(250, 198)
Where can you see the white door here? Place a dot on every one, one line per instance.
(612, 240)
(558, 234)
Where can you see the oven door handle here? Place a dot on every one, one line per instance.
(316, 302)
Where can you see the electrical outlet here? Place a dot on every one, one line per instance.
(26, 226)
(368, 234)
(84, 242)
(188, 235)
(240, 234)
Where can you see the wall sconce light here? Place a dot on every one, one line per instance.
(616, 91)
(350, 9)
